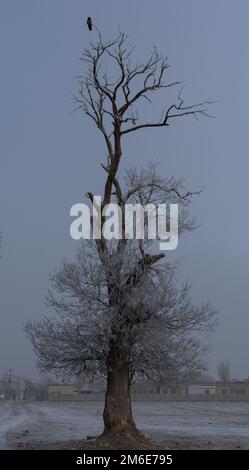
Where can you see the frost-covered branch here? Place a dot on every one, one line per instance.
(147, 312)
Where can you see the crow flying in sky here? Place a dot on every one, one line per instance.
(89, 23)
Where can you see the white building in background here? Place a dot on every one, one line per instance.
(202, 389)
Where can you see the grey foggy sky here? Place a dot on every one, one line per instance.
(50, 159)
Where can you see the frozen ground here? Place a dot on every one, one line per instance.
(172, 424)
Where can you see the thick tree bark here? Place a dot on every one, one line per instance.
(118, 410)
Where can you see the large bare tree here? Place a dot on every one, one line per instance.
(121, 311)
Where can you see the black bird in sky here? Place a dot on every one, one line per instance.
(89, 23)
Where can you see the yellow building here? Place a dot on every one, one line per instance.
(62, 392)
(233, 389)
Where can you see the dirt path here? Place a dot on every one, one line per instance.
(12, 416)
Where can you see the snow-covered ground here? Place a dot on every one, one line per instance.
(12, 416)
(176, 424)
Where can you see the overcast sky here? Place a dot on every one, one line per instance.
(50, 159)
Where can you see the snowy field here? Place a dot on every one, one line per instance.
(172, 424)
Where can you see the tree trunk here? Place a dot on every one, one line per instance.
(118, 410)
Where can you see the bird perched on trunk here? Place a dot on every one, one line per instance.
(89, 23)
